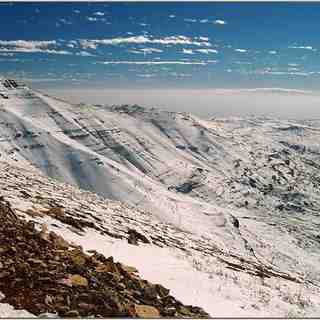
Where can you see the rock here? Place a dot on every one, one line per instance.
(87, 307)
(132, 240)
(135, 236)
(170, 312)
(55, 212)
(48, 300)
(58, 241)
(77, 280)
(4, 274)
(66, 282)
(62, 309)
(150, 292)
(72, 314)
(185, 311)
(129, 268)
(162, 291)
(49, 277)
(144, 311)
(77, 257)
(235, 222)
(37, 262)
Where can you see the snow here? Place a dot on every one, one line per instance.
(128, 156)
(7, 311)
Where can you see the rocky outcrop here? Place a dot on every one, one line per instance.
(42, 273)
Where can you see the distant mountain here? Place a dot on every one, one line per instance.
(229, 208)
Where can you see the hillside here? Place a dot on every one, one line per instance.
(228, 205)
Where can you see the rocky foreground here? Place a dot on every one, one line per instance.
(42, 273)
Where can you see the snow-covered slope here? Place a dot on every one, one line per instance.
(235, 199)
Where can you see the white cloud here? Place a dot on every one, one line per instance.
(273, 52)
(95, 19)
(303, 47)
(146, 50)
(99, 13)
(203, 38)
(143, 24)
(243, 62)
(207, 51)
(30, 46)
(172, 40)
(88, 44)
(204, 21)
(27, 43)
(65, 21)
(172, 16)
(180, 75)
(76, 11)
(92, 19)
(155, 62)
(146, 75)
(24, 50)
(7, 54)
(85, 54)
(218, 21)
(283, 73)
(190, 20)
(240, 50)
(187, 51)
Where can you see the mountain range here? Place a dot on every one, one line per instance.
(223, 212)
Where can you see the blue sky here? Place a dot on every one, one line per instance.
(159, 45)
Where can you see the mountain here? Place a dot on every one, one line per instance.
(229, 206)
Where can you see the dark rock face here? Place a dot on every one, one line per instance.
(135, 236)
(42, 273)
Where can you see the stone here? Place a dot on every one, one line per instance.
(77, 280)
(87, 307)
(144, 311)
(135, 236)
(58, 241)
(129, 268)
(72, 314)
(185, 311)
(78, 258)
(150, 292)
(162, 291)
(48, 300)
(55, 211)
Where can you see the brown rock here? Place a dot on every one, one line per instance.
(144, 311)
(129, 268)
(4, 274)
(58, 241)
(162, 291)
(56, 212)
(77, 280)
(86, 307)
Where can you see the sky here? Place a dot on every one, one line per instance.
(162, 45)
